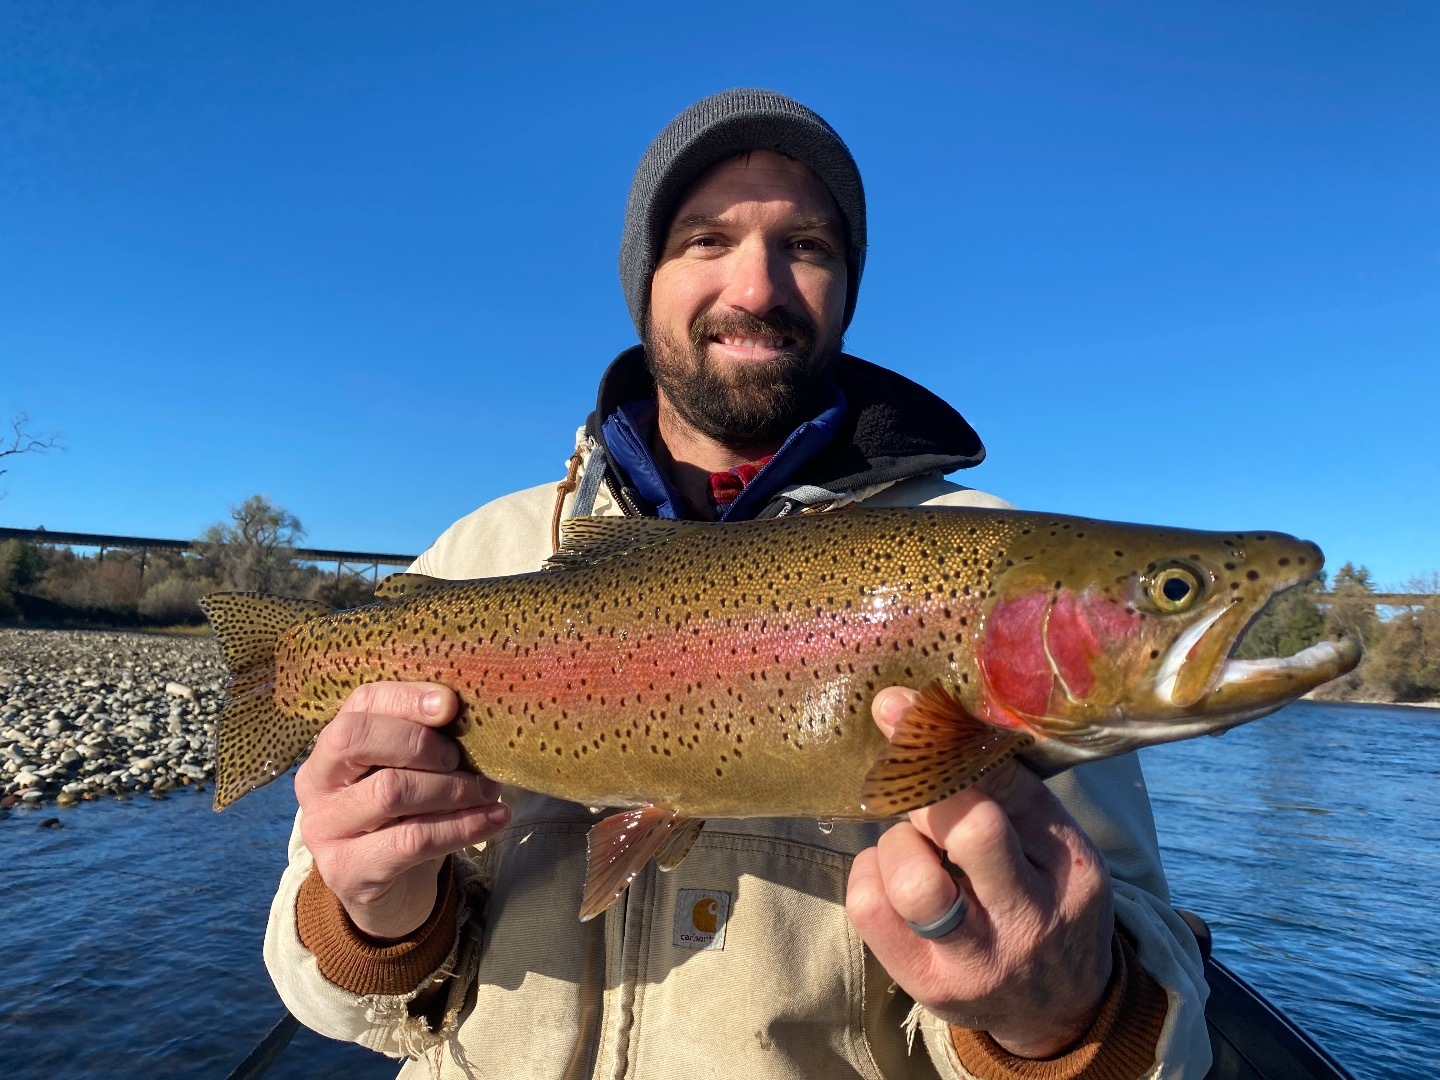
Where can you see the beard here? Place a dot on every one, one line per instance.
(743, 404)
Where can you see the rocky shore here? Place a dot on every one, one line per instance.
(88, 714)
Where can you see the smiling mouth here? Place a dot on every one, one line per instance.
(765, 346)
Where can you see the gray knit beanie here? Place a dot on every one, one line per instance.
(710, 131)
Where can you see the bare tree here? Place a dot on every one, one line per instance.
(256, 551)
(24, 441)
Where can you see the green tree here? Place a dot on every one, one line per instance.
(1288, 623)
(21, 565)
(1352, 611)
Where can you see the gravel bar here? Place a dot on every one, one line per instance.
(89, 714)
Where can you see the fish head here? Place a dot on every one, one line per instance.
(1100, 638)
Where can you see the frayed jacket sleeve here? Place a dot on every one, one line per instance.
(378, 1021)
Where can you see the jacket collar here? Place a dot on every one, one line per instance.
(894, 429)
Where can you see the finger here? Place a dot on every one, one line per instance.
(390, 795)
(385, 854)
(422, 702)
(1051, 837)
(906, 956)
(917, 884)
(977, 834)
(354, 743)
(889, 705)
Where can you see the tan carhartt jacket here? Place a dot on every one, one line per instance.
(739, 963)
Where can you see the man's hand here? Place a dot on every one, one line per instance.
(384, 801)
(1030, 961)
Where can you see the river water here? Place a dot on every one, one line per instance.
(1310, 841)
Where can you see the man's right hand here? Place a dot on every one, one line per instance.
(384, 800)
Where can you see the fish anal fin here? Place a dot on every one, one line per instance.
(678, 844)
(937, 749)
(619, 846)
(394, 586)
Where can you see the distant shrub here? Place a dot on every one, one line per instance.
(1404, 664)
(175, 599)
(101, 586)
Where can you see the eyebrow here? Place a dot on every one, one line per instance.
(710, 221)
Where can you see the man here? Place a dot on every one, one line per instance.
(776, 949)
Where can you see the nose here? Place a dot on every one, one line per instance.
(758, 279)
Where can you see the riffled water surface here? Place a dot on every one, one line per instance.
(1310, 841)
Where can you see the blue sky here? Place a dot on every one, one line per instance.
(1175, 264)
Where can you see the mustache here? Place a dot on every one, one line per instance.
(796, 328)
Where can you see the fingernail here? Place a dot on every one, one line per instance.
(892, 708)
(433, 703)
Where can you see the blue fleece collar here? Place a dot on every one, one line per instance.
(627, 433)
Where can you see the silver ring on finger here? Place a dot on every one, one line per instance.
(947, 923)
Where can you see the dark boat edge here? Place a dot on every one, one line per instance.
(1250, 1038)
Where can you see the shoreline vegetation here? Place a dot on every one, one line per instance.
(110, 684)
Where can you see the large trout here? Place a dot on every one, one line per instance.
(684, 670)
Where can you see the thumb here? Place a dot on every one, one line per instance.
(890, 705)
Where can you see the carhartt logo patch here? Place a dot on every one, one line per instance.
(700, 917)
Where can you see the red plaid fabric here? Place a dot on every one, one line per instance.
(725, 487)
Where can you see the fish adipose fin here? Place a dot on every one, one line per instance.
(620, 845)
(586, 541)
(938, 749)
(395, 586)
(254, 741)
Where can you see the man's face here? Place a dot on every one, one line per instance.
(747, 299)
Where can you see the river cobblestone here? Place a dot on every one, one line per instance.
(88, 714)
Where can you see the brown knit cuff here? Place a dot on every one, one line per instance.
(355, 961)
(1120, 1044)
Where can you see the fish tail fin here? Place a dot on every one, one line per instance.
(254, 741)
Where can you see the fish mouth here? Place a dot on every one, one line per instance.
(1254, 681)
(1201, 675)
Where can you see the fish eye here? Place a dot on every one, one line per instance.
(1175, 588)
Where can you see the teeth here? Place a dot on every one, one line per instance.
(751, 343)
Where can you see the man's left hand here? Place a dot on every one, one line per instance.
(1030, 961)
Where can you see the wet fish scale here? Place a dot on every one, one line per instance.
(695, 670)
(671, 685)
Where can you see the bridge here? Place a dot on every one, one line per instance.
(353, 562)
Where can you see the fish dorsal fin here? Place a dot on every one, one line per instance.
(397, 585)
(585, 541)
(618, 847)
(938, 749)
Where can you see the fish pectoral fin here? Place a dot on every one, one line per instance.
(618, 847)
(398, 585)
(678, 844)
(938, 749)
